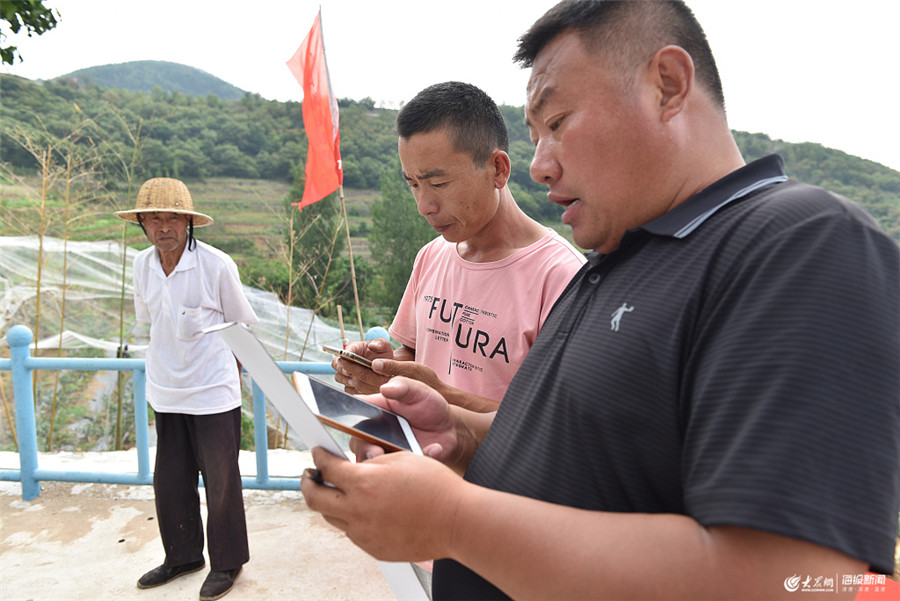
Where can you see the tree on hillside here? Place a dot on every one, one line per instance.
(398, 232)
(30, 14)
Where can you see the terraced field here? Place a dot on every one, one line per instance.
(249, 214)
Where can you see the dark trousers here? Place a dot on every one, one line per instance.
(208, 445)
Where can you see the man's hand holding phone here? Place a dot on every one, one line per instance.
(356, 377)
(387, 363)
(368, 380)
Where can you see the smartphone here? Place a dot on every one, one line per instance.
(345, 354)
(352, 415)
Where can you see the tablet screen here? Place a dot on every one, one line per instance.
(354, 416)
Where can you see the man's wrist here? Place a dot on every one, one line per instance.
(468, 438)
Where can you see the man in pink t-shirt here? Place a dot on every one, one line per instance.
(479, 293)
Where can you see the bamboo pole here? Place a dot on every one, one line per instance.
(45, 176)
(120, 352)
(290, 294)
(352, 268)
(287, 331)
(62, 312)
(318, 304)
(340, 310)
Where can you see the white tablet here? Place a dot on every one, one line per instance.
(309, 402)
(352, 415)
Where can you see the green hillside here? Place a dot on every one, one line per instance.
(136, 135)
(143, 76)
(243, 162)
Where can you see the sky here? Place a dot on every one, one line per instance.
(818, 71)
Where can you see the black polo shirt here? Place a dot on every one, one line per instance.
(736, 360)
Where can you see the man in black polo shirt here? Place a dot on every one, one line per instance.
(711, 409)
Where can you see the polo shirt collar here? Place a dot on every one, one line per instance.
(689, 215)
(188, 260)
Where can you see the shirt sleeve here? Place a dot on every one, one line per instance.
(403, 328)
(792, 421)
(565, 263)
(235, 306)
(141, 311)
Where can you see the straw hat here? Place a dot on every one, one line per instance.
(164, 195)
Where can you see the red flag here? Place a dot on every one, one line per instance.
(320, 117)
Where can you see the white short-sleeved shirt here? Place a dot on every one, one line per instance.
(189, 372)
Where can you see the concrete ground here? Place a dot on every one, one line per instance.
(93, 541)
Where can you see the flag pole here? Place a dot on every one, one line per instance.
(362, 336)
(320, 120)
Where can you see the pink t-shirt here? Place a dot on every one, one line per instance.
(473, 323)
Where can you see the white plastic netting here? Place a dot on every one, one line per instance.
(93, 307)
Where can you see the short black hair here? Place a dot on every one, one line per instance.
(626, 33)
(473, 120)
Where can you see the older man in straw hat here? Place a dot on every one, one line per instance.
(182, 286)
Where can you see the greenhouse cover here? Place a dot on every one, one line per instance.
(97, 309)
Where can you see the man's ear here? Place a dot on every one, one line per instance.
(673, 72)
(500, 163)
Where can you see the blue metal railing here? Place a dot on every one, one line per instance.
(21, 364)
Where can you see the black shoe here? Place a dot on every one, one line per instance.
(218, 584)
(162, 574)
